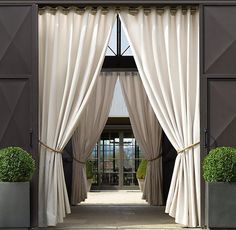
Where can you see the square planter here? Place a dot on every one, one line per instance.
(89, 184)
(14, 204)
(141, 184)
(221, 205)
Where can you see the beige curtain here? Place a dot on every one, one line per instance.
(147, 132)
(71, 53)
(166, 50)
(90, 127)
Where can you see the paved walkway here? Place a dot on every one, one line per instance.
(116, 197)
(117, 210)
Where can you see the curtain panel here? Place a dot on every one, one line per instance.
(166, 51)
(71, 53)
(90, 127)
(147, 132)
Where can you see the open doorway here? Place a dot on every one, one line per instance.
(116, 157)
(115, 160)
(112, 204)
(162, 111)
(113, 171)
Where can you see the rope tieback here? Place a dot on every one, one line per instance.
(153, 159)
(59, 151)
(78, 161)
(49, 148)
(189, 147)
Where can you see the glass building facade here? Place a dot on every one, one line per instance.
(115, 160)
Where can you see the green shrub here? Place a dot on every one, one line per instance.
(234, 168)
(142, 168)
(16, 165)
(220, 165)
(89, 169)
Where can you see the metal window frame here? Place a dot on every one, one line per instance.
(204, 78)
(119, 62)
(120, 134)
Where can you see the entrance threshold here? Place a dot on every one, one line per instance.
(120, 209)
(115, 197)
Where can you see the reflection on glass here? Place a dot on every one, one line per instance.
(130, 179)
(118, 160)
(111, 179)
(125, 47)
(112, 45)
(112, 49)
(131, 155)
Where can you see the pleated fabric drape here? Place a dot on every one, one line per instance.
(147, 132)
(166, 51)
(90, 127)
(71, 53)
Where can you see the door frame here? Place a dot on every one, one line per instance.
(121, 185)
(33, 107)
(203, 77)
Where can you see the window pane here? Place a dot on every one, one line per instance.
(94, 154)
(125, 47)
(118, 107)
(110, 179)
(112, 45)
(130, 179)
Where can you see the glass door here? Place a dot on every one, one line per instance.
(131, 159)
(109, 161)
(116, 159)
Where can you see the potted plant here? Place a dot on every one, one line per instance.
(219, 171)
(16, 170)
(141, 173)
(89, 173)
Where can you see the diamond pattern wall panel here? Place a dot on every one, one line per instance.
(18, 84)
(222, 112)
(15, 40)
(219, 39)
(16, 75)
(14, 117)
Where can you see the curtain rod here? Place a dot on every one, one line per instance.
(132, 10)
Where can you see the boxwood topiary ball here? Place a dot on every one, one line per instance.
(16, 165)
(220, 165)
(89, 169)
(142, 168)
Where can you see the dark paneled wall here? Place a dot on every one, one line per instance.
(218, 77)
(168, 161)
(219, 40)
(219, 74)
(120, 2)
(18, 84)
(222, 112)
(15, 75)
